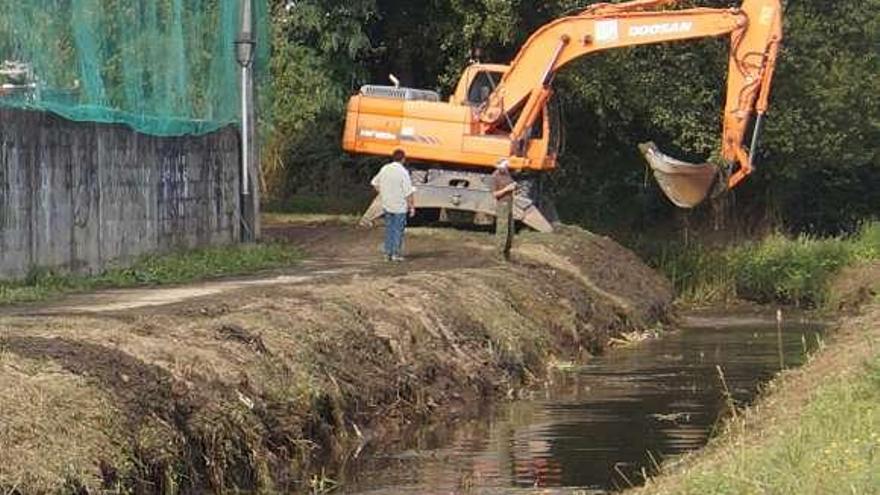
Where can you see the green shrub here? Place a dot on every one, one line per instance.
(776, 269)
(699, 274)
(792, 271)
(866, 244)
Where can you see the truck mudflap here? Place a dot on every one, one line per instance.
(685, 184)
(456, 190)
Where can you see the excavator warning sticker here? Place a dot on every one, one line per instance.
(607, 31)
(380, 135)
(767, 14)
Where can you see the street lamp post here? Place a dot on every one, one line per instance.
(244, 54)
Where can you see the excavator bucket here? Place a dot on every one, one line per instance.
(685, 184)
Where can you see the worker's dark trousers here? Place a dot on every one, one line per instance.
(504, 227)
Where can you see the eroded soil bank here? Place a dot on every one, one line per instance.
(245, 389)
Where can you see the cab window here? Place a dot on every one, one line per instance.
(482, 86)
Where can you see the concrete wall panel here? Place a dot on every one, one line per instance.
(79, 196)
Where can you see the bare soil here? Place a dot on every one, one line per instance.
(248, 385)
(855, 286)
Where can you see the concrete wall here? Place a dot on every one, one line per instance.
(76, 196)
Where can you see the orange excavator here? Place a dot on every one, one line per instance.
(506, 111)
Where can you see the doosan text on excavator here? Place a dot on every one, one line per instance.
(505, 111)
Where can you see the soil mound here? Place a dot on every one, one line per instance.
(247, 389)
(854, 287)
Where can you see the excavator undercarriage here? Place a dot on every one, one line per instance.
(445, 190)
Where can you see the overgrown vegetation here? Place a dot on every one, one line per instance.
(166, 269)
(776, 269)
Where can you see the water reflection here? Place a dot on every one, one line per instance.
(598, 428)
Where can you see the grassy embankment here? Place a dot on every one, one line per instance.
(818, 431)
(776, 269)
(174, 268)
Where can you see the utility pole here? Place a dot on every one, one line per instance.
(250, 155)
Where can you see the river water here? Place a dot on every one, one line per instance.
(599, 426)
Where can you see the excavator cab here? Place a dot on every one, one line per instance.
(477, 83)
(543, 139)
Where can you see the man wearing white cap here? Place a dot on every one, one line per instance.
(503, 188)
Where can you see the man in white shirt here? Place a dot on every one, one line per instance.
(395, 189)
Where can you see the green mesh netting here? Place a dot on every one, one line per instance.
(164, 67)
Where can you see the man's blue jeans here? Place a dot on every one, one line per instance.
(395, 224)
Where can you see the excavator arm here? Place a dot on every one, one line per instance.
(755, 31)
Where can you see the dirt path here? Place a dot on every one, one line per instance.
(129, 299)
(334, 252)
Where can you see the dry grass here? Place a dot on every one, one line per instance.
(56, 429)
(855, 286)
(309, 219)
